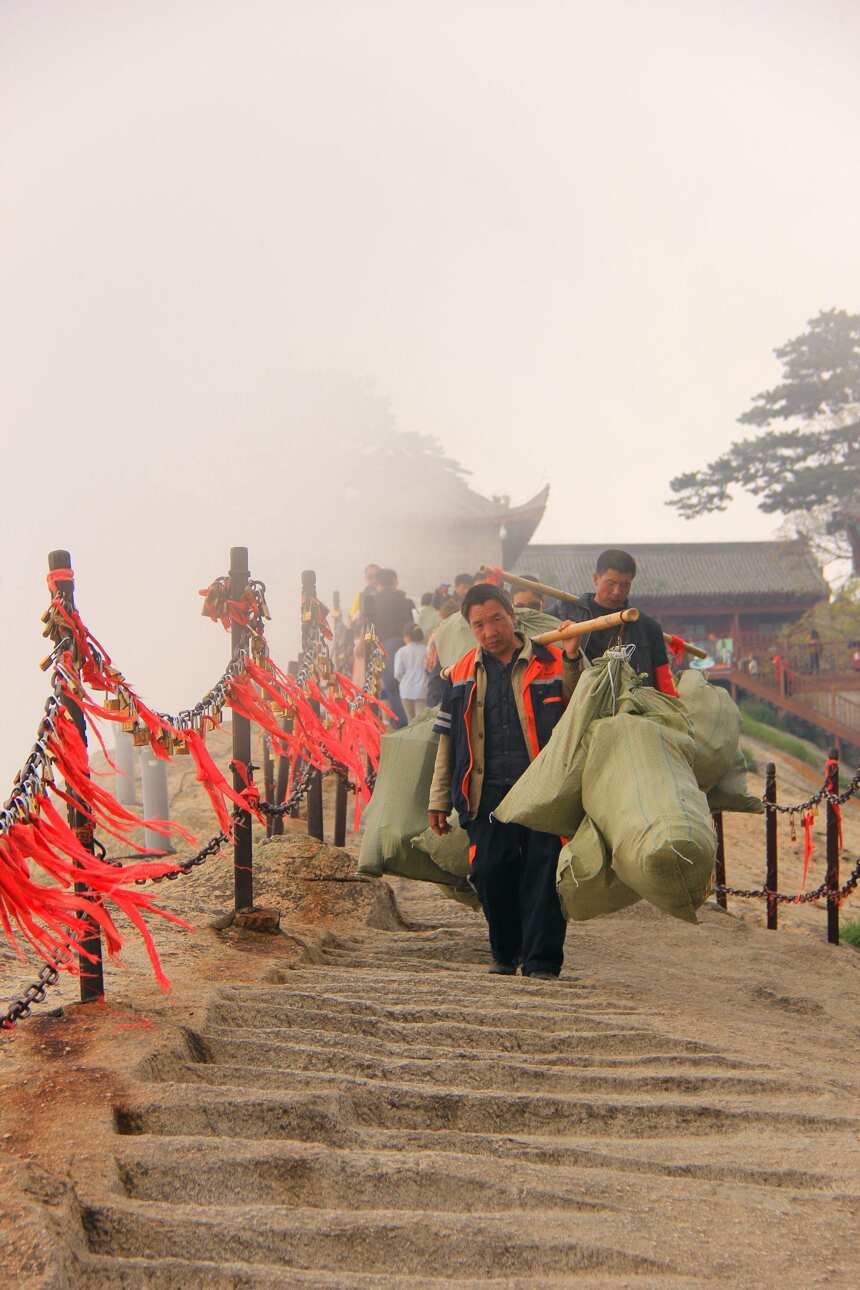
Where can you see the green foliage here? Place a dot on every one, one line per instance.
(766, 733)
(836, 621)
(850, 933)
(813, 463)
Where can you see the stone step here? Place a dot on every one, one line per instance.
(248, 1074)
(560, 1050)
(521, 1014)
(332, 1116)
(444, 1033)
(379, 1242)
(447, 1069)
(209, 1170)
(206, 1171)
(183, 1274)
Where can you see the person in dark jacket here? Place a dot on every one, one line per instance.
(390, 611)
(499, 707)
(613, 579)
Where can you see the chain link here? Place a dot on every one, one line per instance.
(823, 795)
(802, 898)
(36, 992)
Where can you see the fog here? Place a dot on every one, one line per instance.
(238, 239)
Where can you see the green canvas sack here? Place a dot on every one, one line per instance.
(548, 795)
(588, 886)
(450, 852)
(716, 727)
(397, 811)
(639, 789)
(454, 635)
(732, 793)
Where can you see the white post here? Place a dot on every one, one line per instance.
(153, 774)
(124, 779)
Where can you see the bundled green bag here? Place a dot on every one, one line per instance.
(398, 809)
(588, 886)
(450, 851)
(548, 795)
(639, 789)
(716, 727)
(454, 635)
(732, 794)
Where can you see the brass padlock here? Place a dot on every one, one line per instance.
(181, 749)
(140, 736)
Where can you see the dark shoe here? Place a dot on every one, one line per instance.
(541, 976)
(504, 969)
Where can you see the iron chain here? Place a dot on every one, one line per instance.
(36, 992)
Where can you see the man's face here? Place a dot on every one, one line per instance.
(612, 589)
(527, 600)
(493, 627)
(460, 589)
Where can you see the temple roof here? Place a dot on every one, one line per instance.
(679, 572)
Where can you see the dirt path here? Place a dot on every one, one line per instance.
(355, 1104)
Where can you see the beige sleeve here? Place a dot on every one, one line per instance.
(440, 788)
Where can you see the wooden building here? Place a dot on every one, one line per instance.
(741, 592)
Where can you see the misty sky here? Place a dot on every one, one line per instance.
(564, 238)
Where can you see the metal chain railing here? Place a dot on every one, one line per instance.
(823, 795)
(802, 898)
(36, 992)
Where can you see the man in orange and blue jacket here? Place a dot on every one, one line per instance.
(499, 707)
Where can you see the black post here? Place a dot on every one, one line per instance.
(92, 972)
(284, 766)
(720, 862)
(243, 874)
(771, 877)
(340, 805)
(268, 782)
(309, 632)
(833, 851)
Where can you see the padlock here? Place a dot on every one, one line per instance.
(181, 749)
(140, 737)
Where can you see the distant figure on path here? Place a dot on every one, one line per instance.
(613, 580)
(410, 672)
(522, 599)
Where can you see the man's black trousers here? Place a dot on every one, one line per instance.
(513, 872)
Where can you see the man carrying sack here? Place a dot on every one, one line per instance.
(613, 579)
(499, 707)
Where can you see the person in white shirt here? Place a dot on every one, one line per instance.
(410, 672)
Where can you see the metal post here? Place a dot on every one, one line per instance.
(309, 630)
(833, 851)
(92, 973)
(283, 763)
(268, 782)
(125, 789)
(720, 862)
(771, 876)
(340, 805)
(156, 803)
(243, 875)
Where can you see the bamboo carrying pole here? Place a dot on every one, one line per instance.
(526, 584)
(600, 624)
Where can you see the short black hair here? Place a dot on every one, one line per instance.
(479, 593)
(465, 577)
(620, 561)
(386, 577)
(415, 634)
(427, 598)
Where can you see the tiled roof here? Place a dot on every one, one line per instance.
(674, 572)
